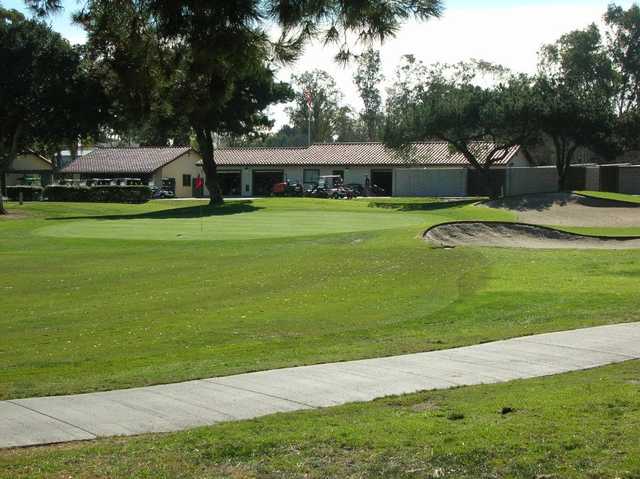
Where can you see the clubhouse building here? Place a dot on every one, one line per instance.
(426, 169)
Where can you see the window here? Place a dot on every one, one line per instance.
(186, 180)
(311, 176)
(339, 173)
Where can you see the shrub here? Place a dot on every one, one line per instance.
(29, 193)
(66, 193)
(99, 194)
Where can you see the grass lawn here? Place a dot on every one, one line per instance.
(577, 425)
(611, 196)
(98, 297)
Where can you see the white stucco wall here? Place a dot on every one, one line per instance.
(629, 180)
(592, 178)
(430, 182)
(183, 165)
(522, 181)
(30, 162)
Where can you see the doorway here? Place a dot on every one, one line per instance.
(230, 183)
(384, 180)
(263, 181)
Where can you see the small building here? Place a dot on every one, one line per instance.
(428, 168)
(28, 168)
(174, 168)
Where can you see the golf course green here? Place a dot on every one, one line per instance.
(106, 296)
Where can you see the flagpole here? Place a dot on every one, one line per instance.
(309, 126)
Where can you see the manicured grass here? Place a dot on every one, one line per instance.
(84, 313)
(611, 196)
(577, 425)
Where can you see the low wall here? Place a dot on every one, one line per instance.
(629, 180)
(523, 181)
(430, 182)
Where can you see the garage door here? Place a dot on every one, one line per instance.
(431, 182)
(230, 183)
(263, 181)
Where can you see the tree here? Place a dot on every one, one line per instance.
(575, 90)
(330, 119)
(368, 78)
(224, 74)
(44, 89)
(320, 89)
(623, 46)
(445, 102)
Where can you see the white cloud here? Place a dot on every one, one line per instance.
(510, 36)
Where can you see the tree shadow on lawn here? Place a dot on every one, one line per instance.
(422, 206)
(541, 202)
(187, 212)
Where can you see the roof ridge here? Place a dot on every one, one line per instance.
(263, 148)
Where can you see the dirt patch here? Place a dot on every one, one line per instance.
(13, 216)
(518, 235)
(568, 209)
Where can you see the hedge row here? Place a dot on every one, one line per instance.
(29, 193)
(98, 194)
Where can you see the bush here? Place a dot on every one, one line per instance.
(98, 194)
(29, 193)
(66, 193)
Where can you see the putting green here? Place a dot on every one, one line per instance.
(246, 225)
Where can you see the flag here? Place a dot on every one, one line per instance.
(309, 98)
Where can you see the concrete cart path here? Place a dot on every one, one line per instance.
(172, 407)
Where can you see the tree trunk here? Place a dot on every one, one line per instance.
(3, 211)
(209, 166)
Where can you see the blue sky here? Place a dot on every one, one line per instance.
(508, 32)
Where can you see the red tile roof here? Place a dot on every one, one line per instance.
(147, 160)
(124, 160)
(259, 156)
(356, 154)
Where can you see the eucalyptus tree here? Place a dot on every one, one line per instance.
(215, 60)
(576, 89)
(623, 47)
(368, 78)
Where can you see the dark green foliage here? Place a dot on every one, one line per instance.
(48, 95)
(211, 65)
(29, 193)
(98, 194)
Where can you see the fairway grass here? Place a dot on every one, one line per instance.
(571, 426)
(99, 297)
(611, 196)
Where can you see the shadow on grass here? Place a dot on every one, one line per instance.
(187, 212)
(421, 205)
(541, 202)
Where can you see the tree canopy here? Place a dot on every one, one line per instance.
(48, 94)
(213, 63)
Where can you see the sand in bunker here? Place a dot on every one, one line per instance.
(518, 235)
(566, 209)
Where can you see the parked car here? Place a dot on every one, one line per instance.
(161, 193)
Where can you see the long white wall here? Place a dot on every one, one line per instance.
(524, 181)
(629, 180)
(430, 182)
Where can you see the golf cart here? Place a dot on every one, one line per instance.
(331, 186)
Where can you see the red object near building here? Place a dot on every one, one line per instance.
(279, 188)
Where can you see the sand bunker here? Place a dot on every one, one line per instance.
(518, 235)
(566, 209)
